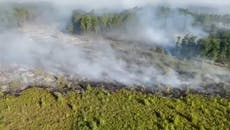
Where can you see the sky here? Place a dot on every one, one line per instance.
(129, 3)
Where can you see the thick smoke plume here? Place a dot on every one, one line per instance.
(43, 45)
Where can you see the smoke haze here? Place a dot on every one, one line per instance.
(111, 4)
(44, 46)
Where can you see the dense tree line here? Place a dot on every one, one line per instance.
(91, 22)
(216, 46)
(15, 16)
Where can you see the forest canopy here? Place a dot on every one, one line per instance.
(216, 46)
(82, 22)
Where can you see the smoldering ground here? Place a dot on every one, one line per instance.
(95, 58)
(99, 59)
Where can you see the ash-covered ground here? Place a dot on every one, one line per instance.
(39, 55)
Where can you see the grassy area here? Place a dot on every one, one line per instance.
(97, 109)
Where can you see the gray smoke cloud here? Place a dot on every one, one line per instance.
(162, 31)
(103, 60)
(43, 46)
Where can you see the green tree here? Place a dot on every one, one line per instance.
(21, 14)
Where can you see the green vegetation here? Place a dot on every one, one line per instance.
(98, 109)
(91, 22)
(188, 46)
(22, 15)
(216, 46)
(15, 16)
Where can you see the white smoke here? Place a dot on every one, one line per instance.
(99, 59)
(163, 31)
